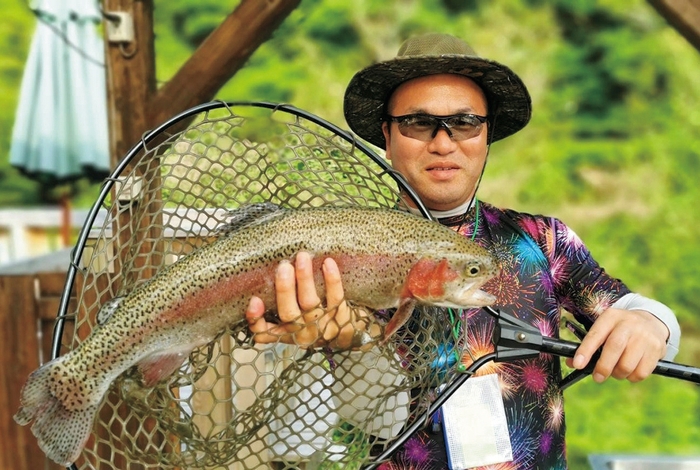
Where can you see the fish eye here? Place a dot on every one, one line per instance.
(474, 270)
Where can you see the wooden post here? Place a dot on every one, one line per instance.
(131, 78)
(131, 83)
(134, 107)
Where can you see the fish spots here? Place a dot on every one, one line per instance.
(387, 258)
(66, 386)
(372, 280)
(234, 289)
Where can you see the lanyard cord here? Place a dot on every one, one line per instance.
(455, 320)
(476, 218)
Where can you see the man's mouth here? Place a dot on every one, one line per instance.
(442, 167)
(442, 171)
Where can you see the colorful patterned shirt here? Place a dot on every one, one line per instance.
(545, 268)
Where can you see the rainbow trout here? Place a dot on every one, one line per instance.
(387, 259)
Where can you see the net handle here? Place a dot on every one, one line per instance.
(514, 339)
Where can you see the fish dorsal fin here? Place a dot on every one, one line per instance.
(108, 309)
(249, 215)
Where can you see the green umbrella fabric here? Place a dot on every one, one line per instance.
(60, 130)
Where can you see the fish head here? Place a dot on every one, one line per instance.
(461, 286)
(454, 280)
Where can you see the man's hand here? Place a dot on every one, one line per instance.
(633, 342)
(303, 320)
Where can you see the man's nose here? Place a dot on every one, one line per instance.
(441, 126)
(442, 141)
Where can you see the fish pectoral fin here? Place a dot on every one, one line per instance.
(400, 317)
(157, 367)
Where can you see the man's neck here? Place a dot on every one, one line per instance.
(461, 209)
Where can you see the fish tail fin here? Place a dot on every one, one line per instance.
(60, 432)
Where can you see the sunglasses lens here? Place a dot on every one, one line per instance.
(425, 127)
(418, 127)
(464, 126)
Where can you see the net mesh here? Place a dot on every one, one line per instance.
(236, 404)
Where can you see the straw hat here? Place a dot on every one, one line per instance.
(369, 90)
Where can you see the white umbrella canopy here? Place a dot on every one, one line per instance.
(60, 129)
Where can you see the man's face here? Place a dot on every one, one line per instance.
(443, 171)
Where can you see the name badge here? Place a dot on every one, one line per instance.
(475, 425)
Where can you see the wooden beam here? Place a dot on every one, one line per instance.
(220, 56)
(683, 15)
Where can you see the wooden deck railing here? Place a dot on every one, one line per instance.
(28, 306)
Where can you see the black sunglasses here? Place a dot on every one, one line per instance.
(426, 126)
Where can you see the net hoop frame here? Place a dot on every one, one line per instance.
(149, 136)
(141, 147)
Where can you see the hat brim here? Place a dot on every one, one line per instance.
(510, 106)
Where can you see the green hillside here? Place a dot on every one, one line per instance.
(612, 149)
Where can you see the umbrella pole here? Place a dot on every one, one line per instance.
(65, 220)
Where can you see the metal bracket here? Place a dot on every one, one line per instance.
(120, 26)
(514, 339)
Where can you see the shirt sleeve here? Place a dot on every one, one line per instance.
(586, 290)
(581, 285)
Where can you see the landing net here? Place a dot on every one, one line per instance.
(235, 404)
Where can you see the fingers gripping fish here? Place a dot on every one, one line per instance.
(387, 259)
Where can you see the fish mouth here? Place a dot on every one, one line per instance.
(479, 298)
(470, 296)
(474, 299)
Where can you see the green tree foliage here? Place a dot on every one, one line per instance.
(15, 32)
(191, 21)
(612, 148)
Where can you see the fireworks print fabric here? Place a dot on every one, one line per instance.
(544, 268)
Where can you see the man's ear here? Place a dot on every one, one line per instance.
(387, 138)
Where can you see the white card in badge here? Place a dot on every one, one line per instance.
(475, 425)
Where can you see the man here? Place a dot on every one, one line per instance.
(436, 108)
